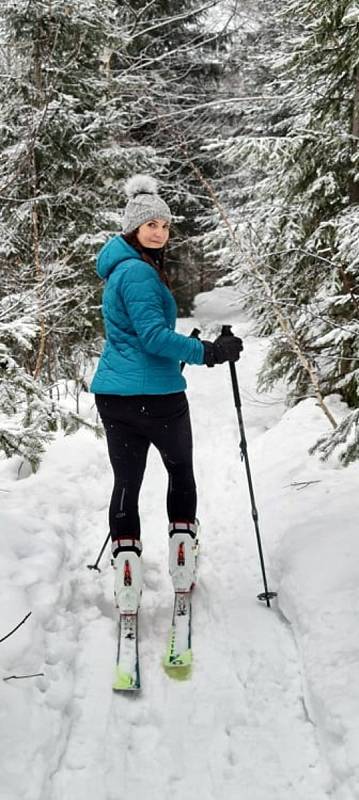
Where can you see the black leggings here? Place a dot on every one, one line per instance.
(132, 423)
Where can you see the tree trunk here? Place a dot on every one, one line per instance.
(354, 185)
(39, 292)
(35, 224)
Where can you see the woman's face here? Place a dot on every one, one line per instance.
(154, 233)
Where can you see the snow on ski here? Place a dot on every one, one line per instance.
(127, 674)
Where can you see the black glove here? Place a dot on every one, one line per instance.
(224, 348)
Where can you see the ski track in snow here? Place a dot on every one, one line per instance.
(240, 727)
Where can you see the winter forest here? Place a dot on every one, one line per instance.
(247, 113)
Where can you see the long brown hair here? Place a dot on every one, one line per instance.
(160, 266)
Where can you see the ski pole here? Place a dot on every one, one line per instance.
(103, 548)
(195, 334)
(266, 595)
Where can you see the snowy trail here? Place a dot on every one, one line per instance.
(240, 722)
(239, 728)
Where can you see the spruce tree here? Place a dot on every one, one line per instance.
(295, 253)
(317, 221)
(53, 157)
(175, 55)
(87, 98)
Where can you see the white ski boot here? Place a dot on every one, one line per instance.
(183, 554)
(128, 575)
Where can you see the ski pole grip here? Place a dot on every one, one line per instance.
(227, 330)
(193, 335)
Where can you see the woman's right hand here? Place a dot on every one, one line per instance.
(224, 348)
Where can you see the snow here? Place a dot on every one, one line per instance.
(271, 711)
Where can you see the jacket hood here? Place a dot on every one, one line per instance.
(112, 253)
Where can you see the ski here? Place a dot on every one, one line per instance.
(127, 674)
(178, 658)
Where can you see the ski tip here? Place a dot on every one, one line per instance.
(125, 682)
(177, 665)
(178, 673)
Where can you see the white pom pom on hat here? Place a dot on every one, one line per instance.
(140, 184)
(144, 203)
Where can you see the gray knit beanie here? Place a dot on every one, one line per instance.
(143, 204)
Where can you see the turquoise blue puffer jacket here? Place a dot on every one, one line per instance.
(142, 353)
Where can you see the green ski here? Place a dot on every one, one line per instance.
(178, 658)
(127, 674)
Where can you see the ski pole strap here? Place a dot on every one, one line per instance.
(182, 527)
(126, 543)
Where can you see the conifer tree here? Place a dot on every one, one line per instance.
(295, 255)
(53, 159)
(318, 192)
(87, 98)
(174, 53)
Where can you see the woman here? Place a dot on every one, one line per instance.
(139, 389)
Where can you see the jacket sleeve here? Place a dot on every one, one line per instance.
(141, 292)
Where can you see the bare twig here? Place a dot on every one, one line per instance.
(301, 484)
(17, 626)
(159, 23)
(21, 677)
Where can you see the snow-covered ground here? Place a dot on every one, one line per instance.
(272, 709)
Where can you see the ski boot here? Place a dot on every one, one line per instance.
(183, 554)
(128, 574)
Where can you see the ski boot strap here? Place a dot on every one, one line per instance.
(126, 544)
(183, 527)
